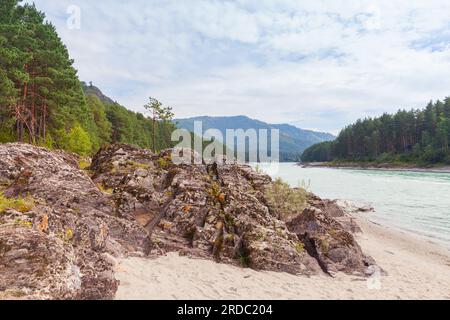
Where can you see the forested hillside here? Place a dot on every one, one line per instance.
(418, 136)
(118, 124)
(42, 100)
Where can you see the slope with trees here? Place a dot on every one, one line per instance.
(42, 100)
(416, 136)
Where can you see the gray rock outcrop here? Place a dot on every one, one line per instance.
(134, 202)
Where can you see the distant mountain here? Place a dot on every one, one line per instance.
(293, 140)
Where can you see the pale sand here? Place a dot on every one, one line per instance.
(416, 269)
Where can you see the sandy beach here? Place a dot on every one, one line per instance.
(413, 268)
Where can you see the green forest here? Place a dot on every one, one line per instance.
(416, 136)
(43, 102)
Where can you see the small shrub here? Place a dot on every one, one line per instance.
(216, 192)
(218, 246)
(432, 155)
(165, 162)
(103, 189)
(78, 141)
(169, 194)
(229, 220)
(136, 165)
(259, 237)
(324, 246)
(244, 260)
(300, 247)
(20, 204)
(69, 234)
(83, 164)
(280, 233)
(284, 200)
(215, 189)
(190, 234)
(23, 223)
(230, 238)
(48, 142)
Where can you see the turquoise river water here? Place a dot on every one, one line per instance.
(417, 202)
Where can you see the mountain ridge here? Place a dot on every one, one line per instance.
(293, 140)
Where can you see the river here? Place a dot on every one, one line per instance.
(416, 202)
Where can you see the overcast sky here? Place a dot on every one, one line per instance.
(315, 64)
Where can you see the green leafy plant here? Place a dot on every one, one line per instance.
(78, 141)
(20, 204)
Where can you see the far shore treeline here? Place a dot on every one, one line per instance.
(43, 102)
(415, 136)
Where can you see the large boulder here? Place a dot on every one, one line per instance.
(63, 237)
(216, 211)
(327, 233)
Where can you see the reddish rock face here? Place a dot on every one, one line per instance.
(213, 211)
(141, 203)
(329, 241)
(58, 248)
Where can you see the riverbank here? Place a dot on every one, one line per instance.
(376, 166)
(413, 268)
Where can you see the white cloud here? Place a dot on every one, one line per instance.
(282, 61)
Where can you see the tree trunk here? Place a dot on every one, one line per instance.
(33, 120)
(154, 134)
(21, 131)
(44, 128)
(18, 129)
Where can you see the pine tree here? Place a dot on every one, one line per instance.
(158, 113)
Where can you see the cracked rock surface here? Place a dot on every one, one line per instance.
(134, 202)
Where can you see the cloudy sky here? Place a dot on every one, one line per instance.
(317, 64)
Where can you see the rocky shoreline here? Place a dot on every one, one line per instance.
(131, 202)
